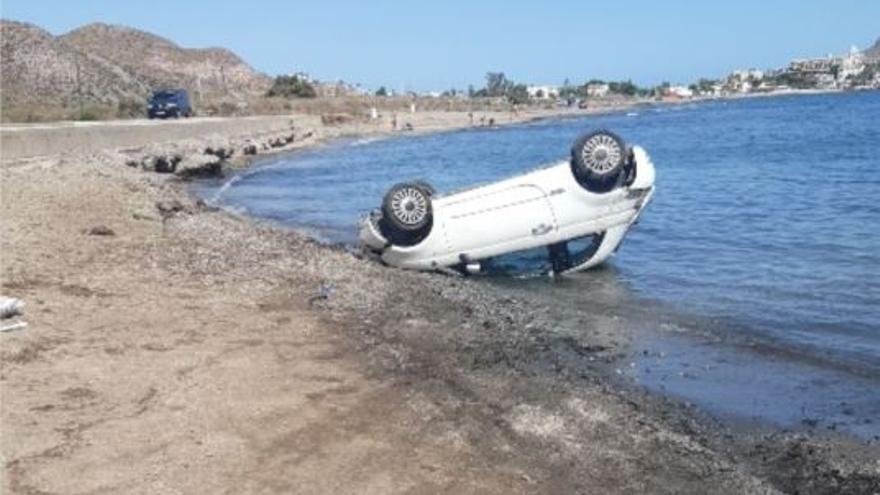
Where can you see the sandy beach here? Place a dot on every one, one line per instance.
(175, 348)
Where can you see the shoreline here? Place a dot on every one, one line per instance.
(263, 360)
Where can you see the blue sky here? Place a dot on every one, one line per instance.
(452, 43)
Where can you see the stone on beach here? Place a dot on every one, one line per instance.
(10, 306)
(101, 230)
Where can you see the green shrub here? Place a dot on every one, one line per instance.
(88, 115)
(292, 87)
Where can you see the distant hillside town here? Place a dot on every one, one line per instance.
(856, 70)
(852, 71)
(101, 71)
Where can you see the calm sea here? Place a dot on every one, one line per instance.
(764, 234)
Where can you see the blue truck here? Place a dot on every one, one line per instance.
(169, 103)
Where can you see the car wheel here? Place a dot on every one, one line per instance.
(407, 214)
(597, 160)
(428, 188)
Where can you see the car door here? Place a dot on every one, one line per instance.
(496, 221)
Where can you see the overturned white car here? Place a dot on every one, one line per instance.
(596, 195)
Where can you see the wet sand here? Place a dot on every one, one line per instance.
(187, 350)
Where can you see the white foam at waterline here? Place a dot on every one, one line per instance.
(235, 209)
(215, 198)
(366, 140)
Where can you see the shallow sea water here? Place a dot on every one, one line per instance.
(753, 279)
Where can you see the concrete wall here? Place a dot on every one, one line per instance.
(30, 140)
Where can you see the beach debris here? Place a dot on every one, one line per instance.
(101, 230)
(143, 216)
(21, 325)
(325, 290)
(10, 306)
(168, 207)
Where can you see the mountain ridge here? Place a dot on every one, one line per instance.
(873, 51)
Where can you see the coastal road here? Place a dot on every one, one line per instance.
(19, 141)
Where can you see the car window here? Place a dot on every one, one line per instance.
(583, 248)
(520, 263)
(536, 261)
(164, 96)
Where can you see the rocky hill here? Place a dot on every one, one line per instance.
(40, 70)
(159, 63)
(108, 67)
(874, 51)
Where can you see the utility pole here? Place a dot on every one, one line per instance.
(79, 87)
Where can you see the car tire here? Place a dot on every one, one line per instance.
(598, 160)
(407, 213)
(428, 188)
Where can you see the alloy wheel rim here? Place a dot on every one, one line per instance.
(409, 205)
(601, 153)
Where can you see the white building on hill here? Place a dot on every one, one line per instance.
(679, 92)
(851, 65)
(543, 92)
(597, 89)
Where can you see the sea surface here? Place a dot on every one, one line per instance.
(752, 280)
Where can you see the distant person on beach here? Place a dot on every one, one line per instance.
(394, 121)
(492, 122)
(471, 117)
